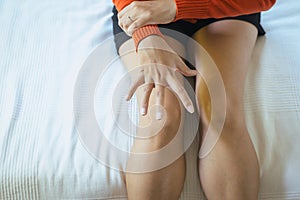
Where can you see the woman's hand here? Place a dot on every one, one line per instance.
(159, 67)
(141, 13)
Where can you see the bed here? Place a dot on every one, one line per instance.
(43, 48)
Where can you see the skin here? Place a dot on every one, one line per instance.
(159, 184)
(153, 12)
(230, 170)
(157, 70)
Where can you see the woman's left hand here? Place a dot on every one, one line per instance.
(159, 67)
(141, 13)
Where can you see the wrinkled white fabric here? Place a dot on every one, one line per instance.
(43, 45)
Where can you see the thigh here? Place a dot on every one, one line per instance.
(230, 44)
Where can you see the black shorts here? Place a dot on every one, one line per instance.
(183, 26)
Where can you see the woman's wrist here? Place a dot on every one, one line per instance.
(144, 32)
(186, 9)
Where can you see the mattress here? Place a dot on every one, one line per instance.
(47, 47)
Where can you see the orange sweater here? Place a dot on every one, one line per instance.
(202, 9)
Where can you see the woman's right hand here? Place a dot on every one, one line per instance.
(160, 67)
(146, 12)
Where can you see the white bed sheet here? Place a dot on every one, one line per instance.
(273, 102)
(43, 45)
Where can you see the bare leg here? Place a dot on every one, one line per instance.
(230, 171)
(165, 183)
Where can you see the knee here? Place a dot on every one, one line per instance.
(168, 129)
(158, 141)
(172, 118)
(158, 133)
(234, 112)
(235, 116)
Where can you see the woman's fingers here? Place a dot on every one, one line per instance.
(130, 24)
(127, 19)
(137, 83)
(145, 84)
(153, 11)
(125, 10)
(185, 70)
(179, 89)
(132, 27)
(125, 24)
(135, 22)
(160, 97)
(147, 89)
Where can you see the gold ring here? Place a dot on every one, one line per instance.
(130, 19)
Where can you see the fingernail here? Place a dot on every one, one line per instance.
(190, 108)
(194, 72)
(158, 115)
(143, 111)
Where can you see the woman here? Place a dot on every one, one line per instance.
(228, 31)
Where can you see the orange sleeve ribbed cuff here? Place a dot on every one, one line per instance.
(144, 32)
(187, 9)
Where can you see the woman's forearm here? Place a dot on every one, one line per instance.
(142, 32)
(203, 9)
(196, 9)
